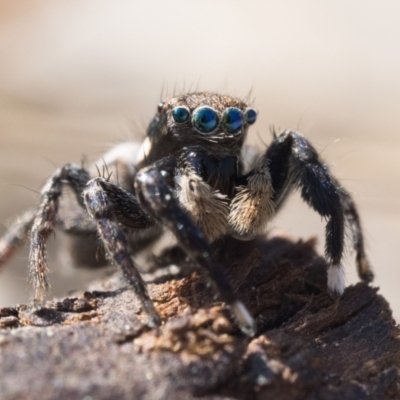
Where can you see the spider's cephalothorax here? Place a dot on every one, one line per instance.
(191, 175)
(216, 123)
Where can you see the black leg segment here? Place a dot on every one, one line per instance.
(158, 197)
(102, 199)
(293, 162)
(364, 268)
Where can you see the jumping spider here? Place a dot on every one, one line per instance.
(190, 175)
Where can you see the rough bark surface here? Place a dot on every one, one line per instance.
(96, 344)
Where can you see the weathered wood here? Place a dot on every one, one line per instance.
(308, 346)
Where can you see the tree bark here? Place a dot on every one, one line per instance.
(96, 344)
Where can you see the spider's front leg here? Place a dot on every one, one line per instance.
(156, 194)
(112, 207)
(293, 162)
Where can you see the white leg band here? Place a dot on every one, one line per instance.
(336, 279)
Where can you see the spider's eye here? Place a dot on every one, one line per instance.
(205, 119)
(180, 114)
(232, 120)
(251, 116)
(160, 106)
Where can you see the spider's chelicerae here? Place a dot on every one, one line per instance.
(191, 175)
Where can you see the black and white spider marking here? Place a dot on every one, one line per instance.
(191, 175)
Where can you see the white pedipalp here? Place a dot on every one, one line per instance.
(207, 207)
(252, 206)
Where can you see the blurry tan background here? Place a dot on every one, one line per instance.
(77, 77)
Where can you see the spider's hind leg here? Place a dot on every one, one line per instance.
(293, 162)
(45, 221)
(15, 236)
(364, 269)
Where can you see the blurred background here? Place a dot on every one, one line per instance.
(77, 77)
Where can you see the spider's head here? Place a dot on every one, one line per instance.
(204, 119)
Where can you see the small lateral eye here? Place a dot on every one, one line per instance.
(180, 114)
(205, 119)
(160, 106)
(251, 116)
(232, 120)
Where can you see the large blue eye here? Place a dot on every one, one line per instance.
(205, 119)
(180, 114)
(232, 120)
(251, 116)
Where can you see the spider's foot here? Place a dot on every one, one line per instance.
(364, 270)
(336, 280)
(154, 318)
(245, 320)
(37, 304)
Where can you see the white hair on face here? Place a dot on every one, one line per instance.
(336, 279)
